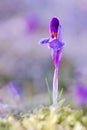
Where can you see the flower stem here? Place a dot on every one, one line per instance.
(55, 86)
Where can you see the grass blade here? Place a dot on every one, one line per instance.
(60, 94)
(49, 91)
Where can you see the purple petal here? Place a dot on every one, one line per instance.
(81, 94)
(44, 41)
(56, 44)
(32, 23)
(15, 90)
(54, 24)
(56, 56)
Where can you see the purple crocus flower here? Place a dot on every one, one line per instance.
(80, 93)
(15, 91)
(55, 44)
(32, 23)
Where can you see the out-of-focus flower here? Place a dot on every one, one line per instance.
(32, 23)
(55, 44)
(15, 91)
(80, 93)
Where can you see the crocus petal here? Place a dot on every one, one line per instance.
(15, 90)
(44, 41)
(80, 91)
(54, 24)
(56, 57)
(56, 44)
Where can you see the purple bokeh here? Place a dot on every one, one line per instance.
(80, 93)
(15, 90)
(32, 23)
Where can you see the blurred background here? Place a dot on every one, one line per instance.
(24, 64)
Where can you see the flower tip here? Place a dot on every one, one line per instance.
(54, 24)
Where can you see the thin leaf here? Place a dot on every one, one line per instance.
(49, 91)
(60, 94)
(61, 102)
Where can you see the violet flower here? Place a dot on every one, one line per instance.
(80, 94)
(56, 45)
(32, 23)
(15, 91)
